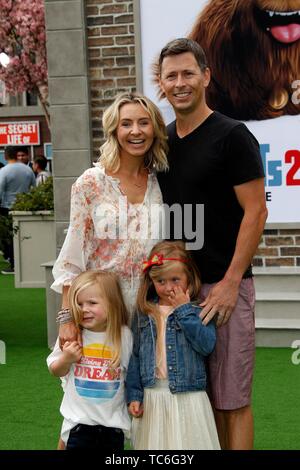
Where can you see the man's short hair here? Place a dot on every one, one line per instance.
(23, 149)
(41, 161)
(11, 152)
(180, 46)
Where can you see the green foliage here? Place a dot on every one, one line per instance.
(38, 199)
(6, 230)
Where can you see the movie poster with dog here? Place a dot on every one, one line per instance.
(253, 50)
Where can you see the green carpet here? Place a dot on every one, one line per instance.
(276, 400)
(30, 397)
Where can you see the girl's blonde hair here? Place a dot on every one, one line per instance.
(169, 249)
(156, 157)
(110, 291)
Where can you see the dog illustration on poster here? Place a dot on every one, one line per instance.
(253, 50)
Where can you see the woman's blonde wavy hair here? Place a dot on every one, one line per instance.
(156, 157)
(110, 291)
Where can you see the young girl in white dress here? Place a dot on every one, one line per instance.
(94, 408)
(166, 377)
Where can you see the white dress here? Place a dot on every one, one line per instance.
(107, 232)
(175, 421)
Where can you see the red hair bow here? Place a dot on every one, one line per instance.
(157, 259)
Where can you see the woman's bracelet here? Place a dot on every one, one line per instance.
(64, 316)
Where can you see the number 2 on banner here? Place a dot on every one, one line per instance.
(292, 156)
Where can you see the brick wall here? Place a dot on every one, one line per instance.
(111, 54)
(279, 248)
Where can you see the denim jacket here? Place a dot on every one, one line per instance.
(187, 342)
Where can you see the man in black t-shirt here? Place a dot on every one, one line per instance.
(215, 161)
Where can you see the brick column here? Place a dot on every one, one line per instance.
(111, 53)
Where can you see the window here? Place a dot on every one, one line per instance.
(21, 99)
(48, 155)
(3, 94)
(31, 98)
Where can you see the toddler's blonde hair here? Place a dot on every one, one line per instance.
(110, 291)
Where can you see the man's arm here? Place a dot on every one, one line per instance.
(33, 180)
(2, 186)
(223, 296)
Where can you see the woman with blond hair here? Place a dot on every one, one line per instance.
(113, 220)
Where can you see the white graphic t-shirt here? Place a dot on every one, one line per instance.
(94, 392)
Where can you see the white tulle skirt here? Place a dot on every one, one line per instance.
(175, 421)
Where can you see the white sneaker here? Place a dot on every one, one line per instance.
(8, 271)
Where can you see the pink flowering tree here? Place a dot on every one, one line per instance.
(23, 39)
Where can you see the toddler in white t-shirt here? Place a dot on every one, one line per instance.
(94, 408)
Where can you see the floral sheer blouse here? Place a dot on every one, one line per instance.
(107, 232)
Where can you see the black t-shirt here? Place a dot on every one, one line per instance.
(204, 167)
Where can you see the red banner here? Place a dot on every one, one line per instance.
(20, 133)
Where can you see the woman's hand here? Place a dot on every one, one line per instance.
(69, 332)
(136, 409)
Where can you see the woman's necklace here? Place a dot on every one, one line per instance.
(139, 190)
(137, 185)
(127, 185)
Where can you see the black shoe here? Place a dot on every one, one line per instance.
(8, 271)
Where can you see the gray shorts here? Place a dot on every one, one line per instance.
(231, 365)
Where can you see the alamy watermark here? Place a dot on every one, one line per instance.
(296, 93)
(2, 352)
(157, 222)
(296, 354)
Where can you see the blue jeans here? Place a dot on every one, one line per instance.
(108, 440)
